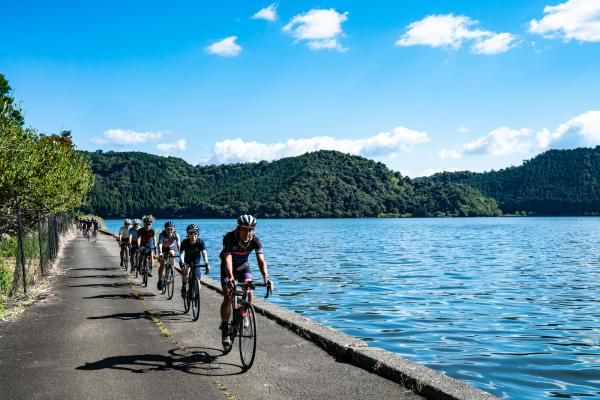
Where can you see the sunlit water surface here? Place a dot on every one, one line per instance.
(510, 305)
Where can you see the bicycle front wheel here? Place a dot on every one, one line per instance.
(145, 272)
(196, 300)
(170, 283)
(247, 336)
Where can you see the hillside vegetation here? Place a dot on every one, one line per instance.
(557, 182)
(319, 184)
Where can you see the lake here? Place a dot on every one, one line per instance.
(509, 305)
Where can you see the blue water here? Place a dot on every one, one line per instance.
(509, 305)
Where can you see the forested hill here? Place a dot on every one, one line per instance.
(557, 182)
(319, 184)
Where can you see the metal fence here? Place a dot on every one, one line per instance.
(36, 248)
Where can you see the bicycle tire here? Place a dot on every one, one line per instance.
(186, 298)
(195, 299)
(170, 282)
(247, 336)
(145, 271)
(136, 265)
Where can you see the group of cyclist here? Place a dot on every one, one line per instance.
(237, 246)
(89, 227)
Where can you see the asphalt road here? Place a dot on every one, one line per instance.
(94, 337)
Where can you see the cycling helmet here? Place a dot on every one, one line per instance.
(192, 228)
(127, 221)
(137, 221)
(148, 218)
(169, 224)
(247, 221)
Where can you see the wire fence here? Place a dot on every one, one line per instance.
(27, 254)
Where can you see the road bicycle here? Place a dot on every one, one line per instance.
(168, 279)
(125, 255)
(243, 322)
(145, 266)
(192, 294)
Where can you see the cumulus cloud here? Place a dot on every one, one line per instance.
(225, 48)
(126, 137)
(268, 13)
(180, 145)
(451, 32)
(383, 144)
(581, 131)
(321, 29)
(499, 43)
(500, 142)
(572, 20)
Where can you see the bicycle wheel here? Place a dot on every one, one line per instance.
(145, 271)
(136, 264)
(170, 282)
(186, 298)
(195, 299)
(247, 335)
(126, 261)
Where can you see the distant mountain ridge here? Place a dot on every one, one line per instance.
(318, 184)
(557, 182)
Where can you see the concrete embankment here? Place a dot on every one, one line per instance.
(349, 350)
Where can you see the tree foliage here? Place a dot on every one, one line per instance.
(44, 173)
(319, 184)
(557, 182)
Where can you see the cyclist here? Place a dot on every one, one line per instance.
(147, 240)
(133, 243)
(237, 246)
(191, 250)
(88, 228)
(95, 225)
(123, 238)
(168, 240)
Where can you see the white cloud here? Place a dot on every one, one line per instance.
(321, 29)
(581, 131)
(500, 142)
(225, 48)
(180, 145)
(462, 129)
(453, 154)
(452, 31)
(500, 43)
(268, 13)
(126, 137)
(383, 144)
(574, 19)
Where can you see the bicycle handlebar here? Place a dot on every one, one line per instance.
(251, 285)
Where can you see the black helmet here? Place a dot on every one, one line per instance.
(247, 221)
(192, 228)
(169, 224)
(148, 218)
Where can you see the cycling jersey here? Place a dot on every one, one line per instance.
(168, 242)
(239, 252)
(134, 236)
(124, 233)
(193, 252)
(147, 237)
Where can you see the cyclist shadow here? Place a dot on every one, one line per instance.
(195, 361)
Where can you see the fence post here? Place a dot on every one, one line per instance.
(41, 245)
(21, 248)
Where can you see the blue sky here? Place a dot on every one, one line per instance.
(421, 86)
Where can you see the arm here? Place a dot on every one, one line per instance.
(262, 265)
(229, 266)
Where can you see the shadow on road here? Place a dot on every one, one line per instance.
(118, 296)
(194, 360)
(138, 315)
(96, 276)
(106, 285)
(94, 269)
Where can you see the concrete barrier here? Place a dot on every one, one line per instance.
(416, 377)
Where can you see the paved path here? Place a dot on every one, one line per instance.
(93, 338)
